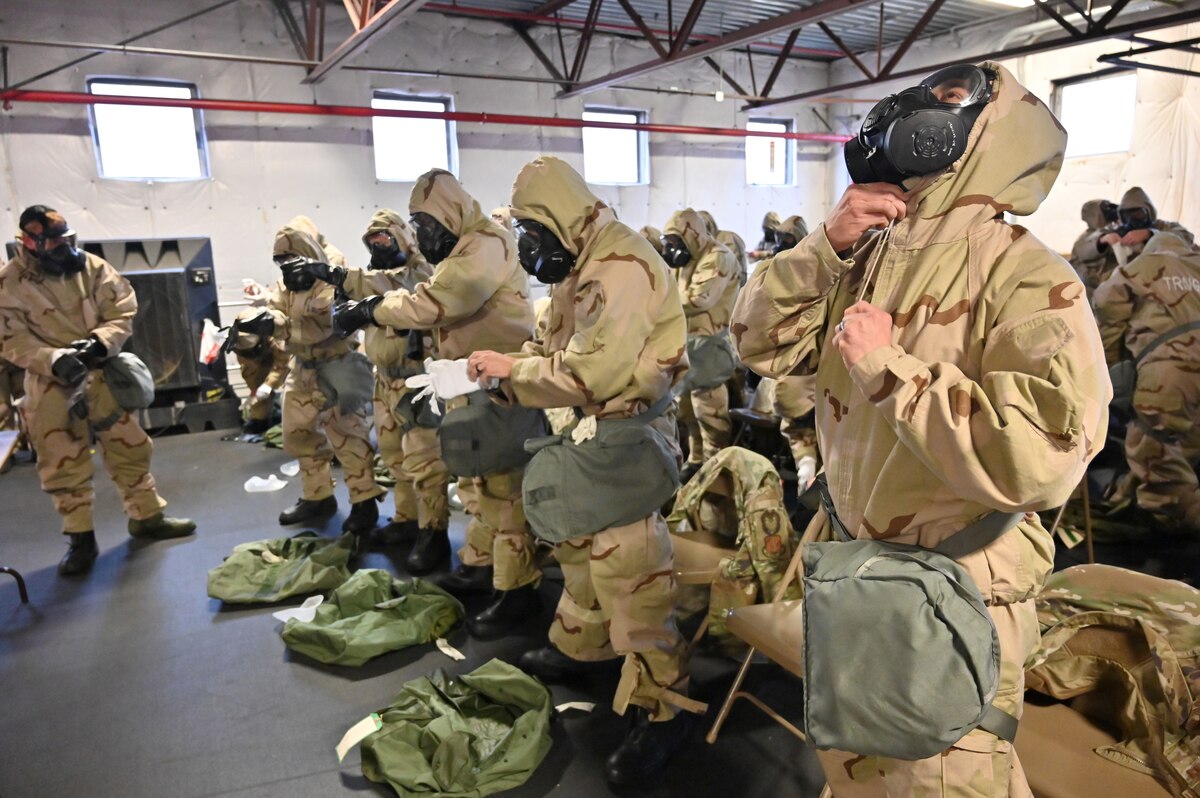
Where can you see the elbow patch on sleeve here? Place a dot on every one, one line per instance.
(1023, 361)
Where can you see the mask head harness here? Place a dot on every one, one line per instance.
(46, 235)
(540, 252)
(433, 239)
(385, 251)
(294, 276)
(675, 251)
(921, 130)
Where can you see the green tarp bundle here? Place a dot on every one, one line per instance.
(265, 571)
(371, 614)
(469, 736)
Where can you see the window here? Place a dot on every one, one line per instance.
(143, 142)
(405, 149)
(616, 157)
(1098, 113)
(769, 160)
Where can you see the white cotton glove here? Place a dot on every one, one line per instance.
(263, 392)
(806, 470)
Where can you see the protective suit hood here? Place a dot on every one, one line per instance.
(291, 241)
(793, 225)
(439, 194)
(1137, 198)
(654, 236)
(690, 226)
(548, 191)
(1092, 215)
(771, 220)
(503, 217)
(1014, 154)
(709, 222)
(387, 220)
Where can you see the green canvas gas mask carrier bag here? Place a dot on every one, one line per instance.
(621, 475)
(485, 437)
(711, 362)
(130, 381)
(901, 658)
(1124, 374)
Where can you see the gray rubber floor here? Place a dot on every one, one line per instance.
(132, 682)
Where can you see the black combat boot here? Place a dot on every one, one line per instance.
(467, 579)
(307, 510)
(81, 553)
(395, 533)
(161, 527)
(647, 748)
(363, 517)
(510, 609)
(552, 666)
(431, 550)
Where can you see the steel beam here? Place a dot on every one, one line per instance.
(1059, 18)
(585, 40)
(394, 11)
(783, 54)
(811, 14)
(685, 29)
(551, 8)
(841, 45)
(292, 27)
(912, 36)
(1140, 26)
(540, 54)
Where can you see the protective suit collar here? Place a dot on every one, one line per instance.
(547, 190)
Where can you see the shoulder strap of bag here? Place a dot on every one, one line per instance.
(821, 487)
(646, 416)
(1167, 336)
(979, 534)
(1000, 723)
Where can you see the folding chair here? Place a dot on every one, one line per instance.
(777, 630)
(20, 582)
(698, 556)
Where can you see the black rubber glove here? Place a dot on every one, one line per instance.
(231, 339)
(334, 275)
(350, 317)
(69, 370)
(262, 325)
(90, 351)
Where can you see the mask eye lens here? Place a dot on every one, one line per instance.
(958, 85)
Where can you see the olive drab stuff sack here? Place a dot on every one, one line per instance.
(371, 614)
(265, 571)
(1124, 374)
(470, 735)
(901, 658)
(347, 381)
(130, 381)
(415, 412)
(711, 362)
(622, 474)
(485, 437)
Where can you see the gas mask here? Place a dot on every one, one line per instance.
(1135, 219)
(54, 248)
(541, 254)
(768, 235)
(784, 242)
(1110, 212)
(387, 254)
(675, 251)
(433, 239)
(294, 277)
(921, 130)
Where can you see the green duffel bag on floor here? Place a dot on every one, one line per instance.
(266, 571)
(371, 614)
(470, 735)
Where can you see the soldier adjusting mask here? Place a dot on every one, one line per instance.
(921, 130)
(47, 236)
(386, 254)
(541, 254)
(295, 278)
(433, 239)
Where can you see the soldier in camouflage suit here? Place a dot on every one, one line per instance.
(971, 380)
(1092, 260)
(264, 364)
(62, 313)
(616, 346)
(1139, 222)
(766, 246)
(750, 505)
(732, 241)
(708, 287)
(1157, 294)
(476, 299)
(1123, 646)
(407, 432)
(315, 429)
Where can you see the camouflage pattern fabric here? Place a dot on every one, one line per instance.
(478, 297)
(708, 287)
(330, 253)
(654, 236)
(731, 240)
(411, 453)
(39, 315)
(12, 388)
(795, 399)
(616, 344)
(503, 217)
(992, 396)
(268, 366)
(559, 418)
(1151, 295)
(794, 226)
(1093, 261)
(763, 251)
(1136, 198)
(1126, 647)
(752, 497)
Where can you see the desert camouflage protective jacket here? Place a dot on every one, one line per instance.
(708, 285)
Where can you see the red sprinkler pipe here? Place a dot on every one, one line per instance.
(482, 118)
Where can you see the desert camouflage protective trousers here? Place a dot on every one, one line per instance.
(1163, 443)
(414, 458)
(705, 415)
(255, 372)
(313, 433)
(980, 765)
(497, 534)
(794, 402)
(62, 441)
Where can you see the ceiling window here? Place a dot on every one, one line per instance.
(615, 157)
(145, 142)
(1098, 114)
(769, 160)
(405, 148)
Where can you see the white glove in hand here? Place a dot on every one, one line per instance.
(263, 392)
(806, 470)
